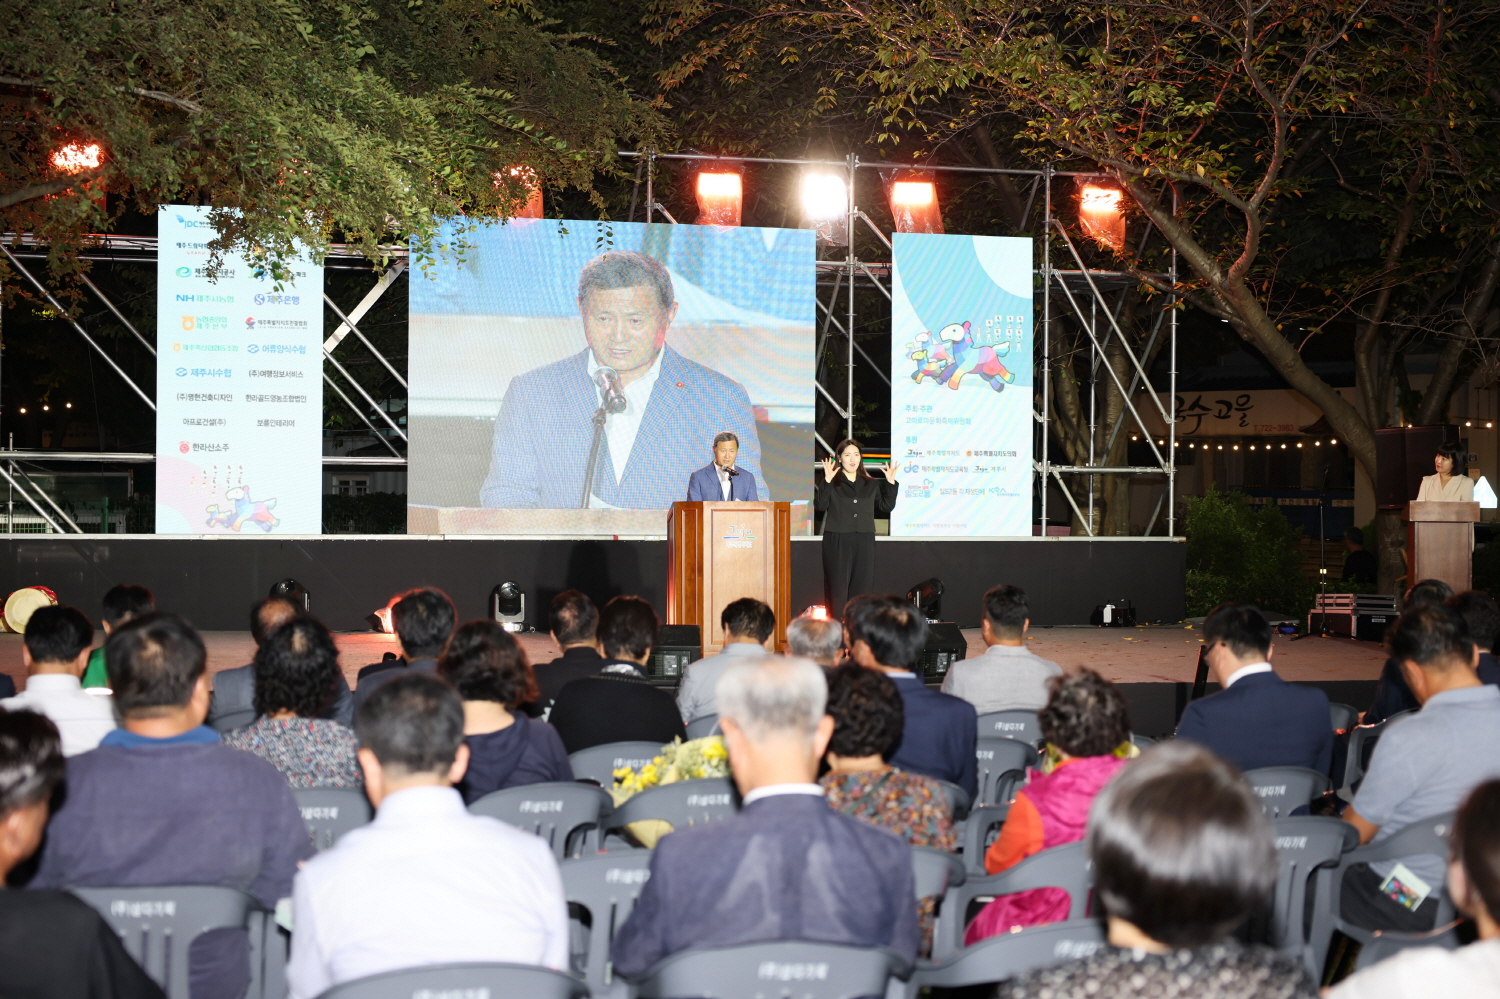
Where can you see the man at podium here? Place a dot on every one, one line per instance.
(720, 479)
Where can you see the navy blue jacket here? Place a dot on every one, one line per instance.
(1263, 721)
(786, 867)
(939, 735)
(704, 485)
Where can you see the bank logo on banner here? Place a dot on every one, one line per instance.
(961, 385)
(233, 458)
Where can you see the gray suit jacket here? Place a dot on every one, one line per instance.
(233, 703)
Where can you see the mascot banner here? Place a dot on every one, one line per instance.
(239, 389)
(961, 385)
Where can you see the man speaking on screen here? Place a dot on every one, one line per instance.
(657, 407)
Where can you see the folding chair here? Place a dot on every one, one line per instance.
(1002, 767)
(1066, 867)
(781, 968)
(703, 726)
(157, 926)
(562, 813)
(605, 886)
(976, 839)
(466, 980)
(599, 763)
(936, 871)
(1020, 725)
(329, 812)
(958, 801)
(1389, 943)
(1281, 790)
(1343, 716)
(1362, 739)
(1304, 845)
(685, 803)
(1010, 954)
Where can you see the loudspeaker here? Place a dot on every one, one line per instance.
(676, 646)
(945, 646)
(1403, 457)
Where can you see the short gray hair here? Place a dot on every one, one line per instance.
(725, 435)
(819, 641)
(773, 695)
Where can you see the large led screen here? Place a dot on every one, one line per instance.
(961, 392)
(516, 328)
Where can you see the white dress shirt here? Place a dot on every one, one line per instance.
(425, 883)
(82, 719)
(724, 486)
(620, 429)
(1245, 671)
(772, 790)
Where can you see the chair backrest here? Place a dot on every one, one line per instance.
(781, 968)
(1303, 845)
(958, 800)
(703, 726)
(158, 924)
(329, 812)
(1362, 739)
(553, 811)
(599, 763)
(1002, 957)
(466, 980)
(936, 871)
(1282, 789)
(1020, 725)
(606, 885)
(685, 803)
(1388, 944)
(1002, 767)
(1066, 867)
(976, 834)
(1343, 716)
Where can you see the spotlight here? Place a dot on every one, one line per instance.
(508, 606)
(1100, 214)
(914, 206)
(294, 593)
(526, 179)
(720, 197)
(825, 203)
(928, 596)
(77, 157)
(380, 620)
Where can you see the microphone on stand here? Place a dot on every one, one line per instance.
(612, 393)
(732, 471)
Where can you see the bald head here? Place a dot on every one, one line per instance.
(268, 615)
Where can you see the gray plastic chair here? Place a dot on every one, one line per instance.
(562, 813)
(685, 803)
(781, 968)
(1388, 944)
(1066, 867)
(958, 800)
(703, 726)
(1020, 725)
(1002, 767)
(1281, 790)
(599, 763)
(329, 812)
(463, 980)
(1354, 767)
(606, 886)
(935, 871)
(1343, 716)
(157, 925)
(976, 834)
(1010, 954)
(1304, 845)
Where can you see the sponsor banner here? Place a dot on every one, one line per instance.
(961, 392)
(239, 389)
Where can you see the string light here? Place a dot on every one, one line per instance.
(1333, 442)
(1235, 447)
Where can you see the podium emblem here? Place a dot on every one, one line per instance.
(736, 536)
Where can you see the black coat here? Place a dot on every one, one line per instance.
(614, 707)
(851, 507)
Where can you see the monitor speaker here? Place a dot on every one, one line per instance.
(945, 646)
(676, 646)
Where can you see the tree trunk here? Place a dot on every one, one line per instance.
(1435, 400)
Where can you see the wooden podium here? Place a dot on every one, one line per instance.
(1440, 542)
(719, 552)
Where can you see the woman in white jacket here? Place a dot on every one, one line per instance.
(1451, 483)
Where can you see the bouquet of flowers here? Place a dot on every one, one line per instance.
(677, 761)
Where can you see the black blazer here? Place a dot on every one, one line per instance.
(1263, 721)
(573, 664)
(614, 707)
(851, 507)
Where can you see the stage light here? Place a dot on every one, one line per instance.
(720, 198)
(294, 593)
(1101, 214)
(816, 612)
(380, 620)
(508, 606)
(914, 206)
(77, 157)
(825, 203)
(928, 596)
(527, 180)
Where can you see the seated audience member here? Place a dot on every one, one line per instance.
(297, 676)
(56, 651)
(232, 705)
(121, 604)
(488, 668)
(52, 944)
(1392, 695)
(1359, 565)
(1425, 764)
(163, 802)
(618, 703)
(1009, 676)
(747, 623)
(423, 621)
(1258, 719)
(575, 629)
(887, 633)
(1182, 854)
(787, 867)
(425, 882)
(818, 639)
(1483, 619)
(1474, 886)
(1085, 722)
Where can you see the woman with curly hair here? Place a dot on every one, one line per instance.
(296, 677)
(487, 666)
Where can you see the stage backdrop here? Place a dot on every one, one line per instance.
(239, 389)
(961, 394)
(710, 329)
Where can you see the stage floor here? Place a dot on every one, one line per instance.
(1154, 654)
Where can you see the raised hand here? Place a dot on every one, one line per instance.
(829, 468)
(889, 471)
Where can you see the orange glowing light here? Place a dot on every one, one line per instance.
(817, 612)
(1101, 215)
(77, 157)
(914, 206)
(532, 208)
(721, 197)
(913, 192)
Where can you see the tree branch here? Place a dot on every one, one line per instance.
(50, 187)
(155, 95)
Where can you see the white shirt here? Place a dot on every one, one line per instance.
(621, 428)
(82, 719)
(1245, 671)
(772, 790)
(1428, 971)
(425, 883)
(723, 480)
